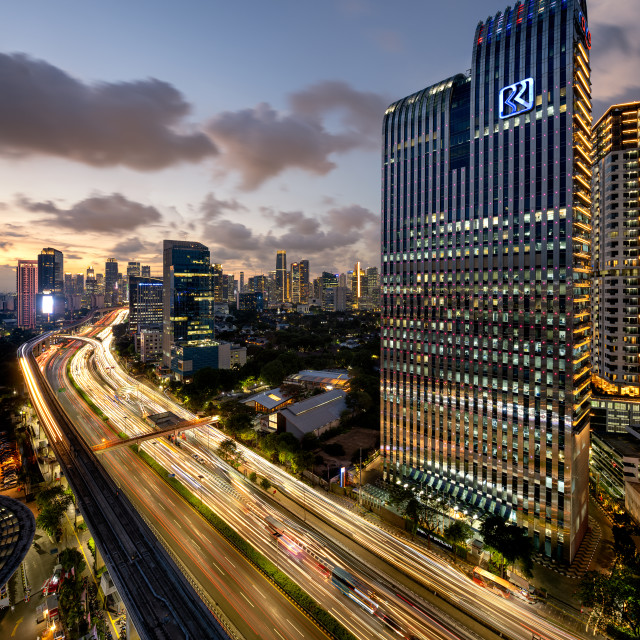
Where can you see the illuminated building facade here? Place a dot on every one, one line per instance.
(616, 251)
(486, 185)
(188, 308)
(281, 276)
(145, 304)
(300, 282)
(27, 287)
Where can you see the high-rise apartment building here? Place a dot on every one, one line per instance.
(133, 269)
(145, 271)
(27, 287)
(50, 271)
(485, 258)
(188, 308)
(241, 284)
(281, 276)
(616, 251)
(111, 281)
(73, 284)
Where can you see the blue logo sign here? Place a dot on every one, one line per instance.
(516, 98)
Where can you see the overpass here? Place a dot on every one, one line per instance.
(152, 435)
(161, 602)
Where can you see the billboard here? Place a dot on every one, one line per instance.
(47, 304)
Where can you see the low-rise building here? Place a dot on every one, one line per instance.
(330, 379)
(237, 355)
(149, 345)
(314, 415)
(614, 461)
(267, 404)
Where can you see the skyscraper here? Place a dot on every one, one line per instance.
(485, 257)
(145, 271)
(145, 304)
(27, 287)
(133, 269)
(188, 308)
(281, 276)
(299, 278)
(111, 281)
(241, 285)
(50, 271)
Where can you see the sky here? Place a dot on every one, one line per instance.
(248, 126)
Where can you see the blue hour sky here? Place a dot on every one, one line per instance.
(250, 127)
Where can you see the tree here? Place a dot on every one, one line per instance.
(265, 484)
(228, 450)
(72, 559)
(458, 532)
(253, 476)
(509, 543)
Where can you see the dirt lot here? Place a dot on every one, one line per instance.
(352, 441)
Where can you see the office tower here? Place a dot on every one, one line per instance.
(73, 284)
(27, 287)
(145, 304)
(111, 281)
(304, 281)
(281, 276)
(241, 285)
(133, 269)
(50, 271)
(295, 283)
(188, 307)
(91, 273)
(372, 278)
(485, 255)
(330, 282)
(145, 271)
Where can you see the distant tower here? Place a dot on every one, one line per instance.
(281, 276)
(188, 308)
(50, 271)
(241, 287)
(145, 271)
(111, 281)
(27, 284)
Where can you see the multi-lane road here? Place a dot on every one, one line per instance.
(395, 584)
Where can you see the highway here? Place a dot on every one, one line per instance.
(243, 506)
(254, 607)
(513, 618)
(160, 601)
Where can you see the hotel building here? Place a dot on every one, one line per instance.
(486, 234)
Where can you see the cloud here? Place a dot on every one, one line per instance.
(615, 35)
(5, 245)
(103, 214)
(350, 218)
(260, 143)
(131, 247)
(232, 235)
(136, 124)
(213, 208)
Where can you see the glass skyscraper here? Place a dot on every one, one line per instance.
(188, 308)
(50, 271)
(485, 256)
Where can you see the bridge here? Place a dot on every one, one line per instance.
(152, 435)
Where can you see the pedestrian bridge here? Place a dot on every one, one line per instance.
(152, 435)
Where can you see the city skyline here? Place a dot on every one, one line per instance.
(186, 174)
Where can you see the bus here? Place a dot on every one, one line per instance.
(354, 589)
(492, 582)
